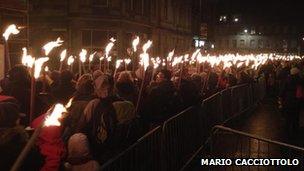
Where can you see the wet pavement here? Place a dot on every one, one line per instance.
(266, 122)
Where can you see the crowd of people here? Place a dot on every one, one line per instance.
(106, 116)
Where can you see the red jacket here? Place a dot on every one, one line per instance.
(7, 99)
(50, 144)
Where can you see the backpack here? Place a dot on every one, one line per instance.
(103, 121)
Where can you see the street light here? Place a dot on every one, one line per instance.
(245, 31)
(236, 20)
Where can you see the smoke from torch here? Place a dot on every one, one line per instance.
(50, 45)
(11, 29)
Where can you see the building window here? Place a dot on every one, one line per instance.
(138, 6)
(96, 40)
(252, 44)
(223, 18)
(260, 43)
(234, 43)
(242, 43)
(227, 43)
(252, 31)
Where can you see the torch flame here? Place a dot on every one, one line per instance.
(144, 60)
(118, 63)
(53, 118)
(109, 46)
(239, 64)
(24, 55)
(128, 61)
(92, 56)
(11, 29)
(146, 46)
(170, 55)
(135, 43)
(83, 55)
(195, 54)
(50, 45)
(38, 64)
(27, 60)
(69, 104)
(156, 62)
(70, 60)
(63, 55)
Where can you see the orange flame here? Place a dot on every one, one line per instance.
(63, 55)
(135, 43)
(83, 55)
(38, 64)
(70, 60)
(50, 45)
(11, 29)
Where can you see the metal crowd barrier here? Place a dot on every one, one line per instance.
(181, 138)
(144, 155)
(176, 142)
(242, 145)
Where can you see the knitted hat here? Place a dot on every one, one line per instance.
(294, 71)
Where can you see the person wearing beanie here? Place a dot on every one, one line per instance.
(83, 95)
(125, 87)
(79, 155)
(84, 88)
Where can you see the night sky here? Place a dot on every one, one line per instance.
(290, 11)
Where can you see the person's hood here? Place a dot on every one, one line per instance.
(78, 148)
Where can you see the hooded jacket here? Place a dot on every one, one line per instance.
(79, 155)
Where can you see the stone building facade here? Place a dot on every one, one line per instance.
(91, 23)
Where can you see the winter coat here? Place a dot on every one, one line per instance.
(161, 103)
(74, 122)
(79, 155)
(106, 124)
(50, 144)
(12, 141)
